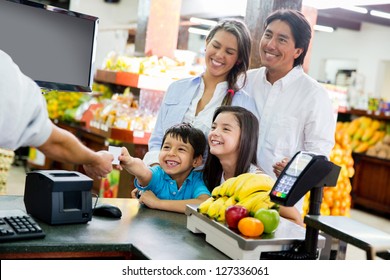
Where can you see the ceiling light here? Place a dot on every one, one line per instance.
(380, 14)
(355, 9)
(199, 31)
(329, 4)
(323, 28)
(203, 21)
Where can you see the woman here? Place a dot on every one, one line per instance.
(195, 99)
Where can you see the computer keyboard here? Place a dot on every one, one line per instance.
(19, 227)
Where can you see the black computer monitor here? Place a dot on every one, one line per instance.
(53, 46)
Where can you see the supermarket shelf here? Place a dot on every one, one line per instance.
(370, 184)
(123, 135)
(133, 80)
(371, 114)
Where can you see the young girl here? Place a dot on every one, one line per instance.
(195, 99)
(232, 150)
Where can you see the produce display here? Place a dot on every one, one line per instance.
(63, 105)
(243, 203)
(123, 111)
(381, 148)
(336, 201)
(6, 159)
(364, 132)
(176, 68)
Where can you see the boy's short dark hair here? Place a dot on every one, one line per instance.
(188, 133)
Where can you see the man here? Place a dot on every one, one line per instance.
(24, 121)
(295, 111)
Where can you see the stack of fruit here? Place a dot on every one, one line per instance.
(364, 132)
(59, 102)
(6, 159)
(243, 203)
(382, 148)
(336, 200)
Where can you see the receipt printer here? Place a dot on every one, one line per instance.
(58, 196)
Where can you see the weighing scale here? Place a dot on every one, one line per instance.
(305, 172)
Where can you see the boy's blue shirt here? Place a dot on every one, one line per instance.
(164, 187)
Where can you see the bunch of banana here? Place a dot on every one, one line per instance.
(256, 201)
(222, 189)
(204, 206)
(255, 183)
(248, 189)
(221, 213)
(214, 209)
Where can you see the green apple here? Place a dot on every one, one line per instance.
(269, 217)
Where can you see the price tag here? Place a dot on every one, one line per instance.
(139, 133)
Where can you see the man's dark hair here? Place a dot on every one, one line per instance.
(300, 29)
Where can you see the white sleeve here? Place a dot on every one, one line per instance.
(24, 115)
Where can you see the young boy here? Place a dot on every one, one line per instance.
(173, 183)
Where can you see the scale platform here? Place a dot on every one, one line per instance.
(239, 247)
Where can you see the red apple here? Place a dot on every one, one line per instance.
(233, 214)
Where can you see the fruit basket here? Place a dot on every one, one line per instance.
(6, 159)
(237, 246)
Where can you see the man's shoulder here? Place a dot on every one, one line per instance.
(310, 84)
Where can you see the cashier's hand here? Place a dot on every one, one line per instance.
(101, 166)
(279, 166)
(149, 199)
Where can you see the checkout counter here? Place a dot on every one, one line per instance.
(144, 233)
(141, 233)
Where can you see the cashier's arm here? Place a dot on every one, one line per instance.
(63, 146)
(149, 199)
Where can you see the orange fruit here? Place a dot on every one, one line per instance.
(250, 227)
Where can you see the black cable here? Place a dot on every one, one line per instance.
(96, 201)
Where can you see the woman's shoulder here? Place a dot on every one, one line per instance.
(185, 82)
(177, 88)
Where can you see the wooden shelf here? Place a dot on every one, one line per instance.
(123, 135)
(370, 184)
(133, 80)
(374, 115)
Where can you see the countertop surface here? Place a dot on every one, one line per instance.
(141, 233)
(147, 233)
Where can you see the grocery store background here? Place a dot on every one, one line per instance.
(365, 50)
(342, 57)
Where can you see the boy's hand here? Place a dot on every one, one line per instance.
(149, 199)
(125, 159)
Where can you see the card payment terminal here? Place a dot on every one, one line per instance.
(304, 172)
